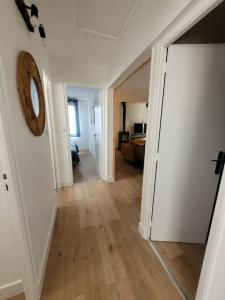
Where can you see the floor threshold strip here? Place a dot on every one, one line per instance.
(168, 272)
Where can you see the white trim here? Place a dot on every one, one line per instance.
(108, 154)
(67, 128)
(52, 129)
(124, 25)
(98, 33)
(12, 289)
(44, 259)
(67, 183)
(153, 121)
(141, 231)
(110, 179)
(104, 137)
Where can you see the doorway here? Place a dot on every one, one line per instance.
(84, 107)
(191, 136)
(130, 107)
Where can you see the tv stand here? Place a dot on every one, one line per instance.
(137, 135)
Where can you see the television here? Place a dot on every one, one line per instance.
(140, 128)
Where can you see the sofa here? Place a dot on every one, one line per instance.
(134, 151)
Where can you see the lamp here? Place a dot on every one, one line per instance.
(31, 19)
(42, 31)
(34, 15)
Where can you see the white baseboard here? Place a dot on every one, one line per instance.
(142, 231)
(12, 289)
(46, 251)
(66, 183)
(84, 151)
(110, 179)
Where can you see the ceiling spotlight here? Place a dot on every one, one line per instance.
(34, 15)
(42, 31)
(31, 19)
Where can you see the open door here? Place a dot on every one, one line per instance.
(98, 131)
(192, 134)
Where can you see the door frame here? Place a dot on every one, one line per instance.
(193, 13)
(51, 130)
(190, 16)
(108, 117)
(103, 165)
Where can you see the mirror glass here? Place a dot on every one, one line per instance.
(34, 97)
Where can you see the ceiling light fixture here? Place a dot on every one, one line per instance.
(34, 15)
(31, 19)
(42, 31)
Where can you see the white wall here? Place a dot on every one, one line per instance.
(32, 154)
(136, 113)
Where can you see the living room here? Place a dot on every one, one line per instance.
(130, 101)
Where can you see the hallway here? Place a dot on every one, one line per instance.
(96, 250)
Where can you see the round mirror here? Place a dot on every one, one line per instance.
(31, 93)
(34, 97)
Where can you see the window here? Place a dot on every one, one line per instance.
(74, 121)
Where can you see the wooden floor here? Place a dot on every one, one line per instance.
(96, 251)
(185, 262)
(19, 297)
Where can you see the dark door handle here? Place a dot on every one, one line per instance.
(219, 162)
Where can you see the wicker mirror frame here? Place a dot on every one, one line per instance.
(26, 71)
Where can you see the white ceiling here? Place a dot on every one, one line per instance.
(105, 17)
(90, 29)
(82, 35)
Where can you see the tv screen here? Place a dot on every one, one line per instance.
(138, 127)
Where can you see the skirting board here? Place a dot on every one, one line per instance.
(110, 179)
(141, 231)
(46, 250)
(67, 183)
(12, 289)
(84, 151)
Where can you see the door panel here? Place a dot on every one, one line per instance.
(98, 130)
(192, 134)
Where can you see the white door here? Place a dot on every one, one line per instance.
(98, 131)
(98, 135)
(192, 134)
